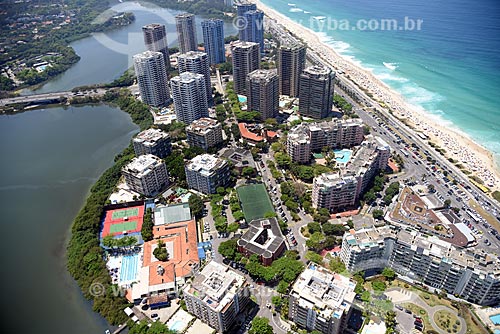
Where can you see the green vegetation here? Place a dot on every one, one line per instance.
(447, 321)
(85, 257)
(109, 241)
(147, 226)
(378, 214)
(286, 268)
(390, 322)
(390, 192)
(260, 325)
(254, 201)
(160, 251)
(336, 265)
(196, 205)
(496, 195)
(341, 103)
(143, 327)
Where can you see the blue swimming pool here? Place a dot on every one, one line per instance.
(495, 319)
(242, 99)
(177, 326)
(342, 156)
(130, 268)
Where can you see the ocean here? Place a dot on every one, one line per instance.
(448, 69)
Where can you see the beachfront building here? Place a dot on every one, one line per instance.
(206, 172)
(262, 93)
(151, 75)
(197, 62)
(217, 296)
(470, 274)
(338, 191)
(321, 300)
(213, 40)
(291, 63)
(186, 32)
(204, 133)
(155, 39)
(190, 97)
(306, 138)
(263, 238)
(316, 92)
(246, 59)
(146, 174)
(161, 280)
(152, 141)
(253, 30)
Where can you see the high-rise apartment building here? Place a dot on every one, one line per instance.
(204, 133)
(213, 40)
(190, 96)
(262, 93)
(186, 32)
(152, 78)
(253, 30)
(291, 63)
(316, 92)
(217, 296)
(146, 175)
(197, 62)
(206, 172)
(246, 59)
(152, 141)
(155, 39)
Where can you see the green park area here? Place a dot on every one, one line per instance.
(255, 201)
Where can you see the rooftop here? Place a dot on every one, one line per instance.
(216, 285)
(329, 293)
(263, 75)
(263, 237)
(172, 214)
(192, 55)
(150, 136)
(147, 54)
(143, 165)
(205, 164)
(187, 77)
(243, 45)
(202, 125)
(316, 70)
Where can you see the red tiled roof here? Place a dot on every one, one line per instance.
(247, 134)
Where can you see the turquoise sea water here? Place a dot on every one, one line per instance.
(449, 69)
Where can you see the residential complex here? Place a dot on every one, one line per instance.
(197, 62)
(152, 141)
(253, 30)
(217, 295)
(151, 75)
(263, 238)
(206, 172)
(186, 32)
(306, 138)
(246, 59)
(472, 275)
(190, 96)
(291, 63)
(155, 39)
(341, 190)
(321, 300)
(262, 93)
(213, 40)
(146, 175)
(316, 92)
(204, 133)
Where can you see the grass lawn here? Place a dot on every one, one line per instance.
(421, 313)
(447, 321)
(430, 298)
(473, 324)
(255, 201)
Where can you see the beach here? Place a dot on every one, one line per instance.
(458, 146)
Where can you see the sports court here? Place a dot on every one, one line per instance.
(255, 201)
(122, 221)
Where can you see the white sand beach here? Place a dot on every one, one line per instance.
(458, 146)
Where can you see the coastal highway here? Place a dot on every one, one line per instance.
(47, 97)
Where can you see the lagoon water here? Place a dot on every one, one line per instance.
(50, 159)
(449, 69)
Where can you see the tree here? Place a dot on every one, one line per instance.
(238, 215)
(366, 296)
(277, 301)
(333, 229)
(228, 249)
(283, 159)
(313, 227)
(336, 265)
(388, 273)
(377, 214)
(160, 251)
(369, 196)
(196, 205)
(221, 191)
(248, 171)
(233, 227)
(447, 203)
(282, 287)
(314, 257)
(378, 286)
(260, 325)
(147, 226)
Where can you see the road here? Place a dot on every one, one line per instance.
(47, 97)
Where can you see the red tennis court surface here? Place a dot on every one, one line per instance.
(116, 220)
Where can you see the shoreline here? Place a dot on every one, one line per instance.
(458, 145)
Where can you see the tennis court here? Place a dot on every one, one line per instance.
(255, 201)
(118, 214)
(122, 227)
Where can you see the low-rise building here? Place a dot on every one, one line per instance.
(321, 300)
(152, 141)
(205, 133)
(146, 174)
(206, 172)
(217, 295)
(263, 238)
(471, 275)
